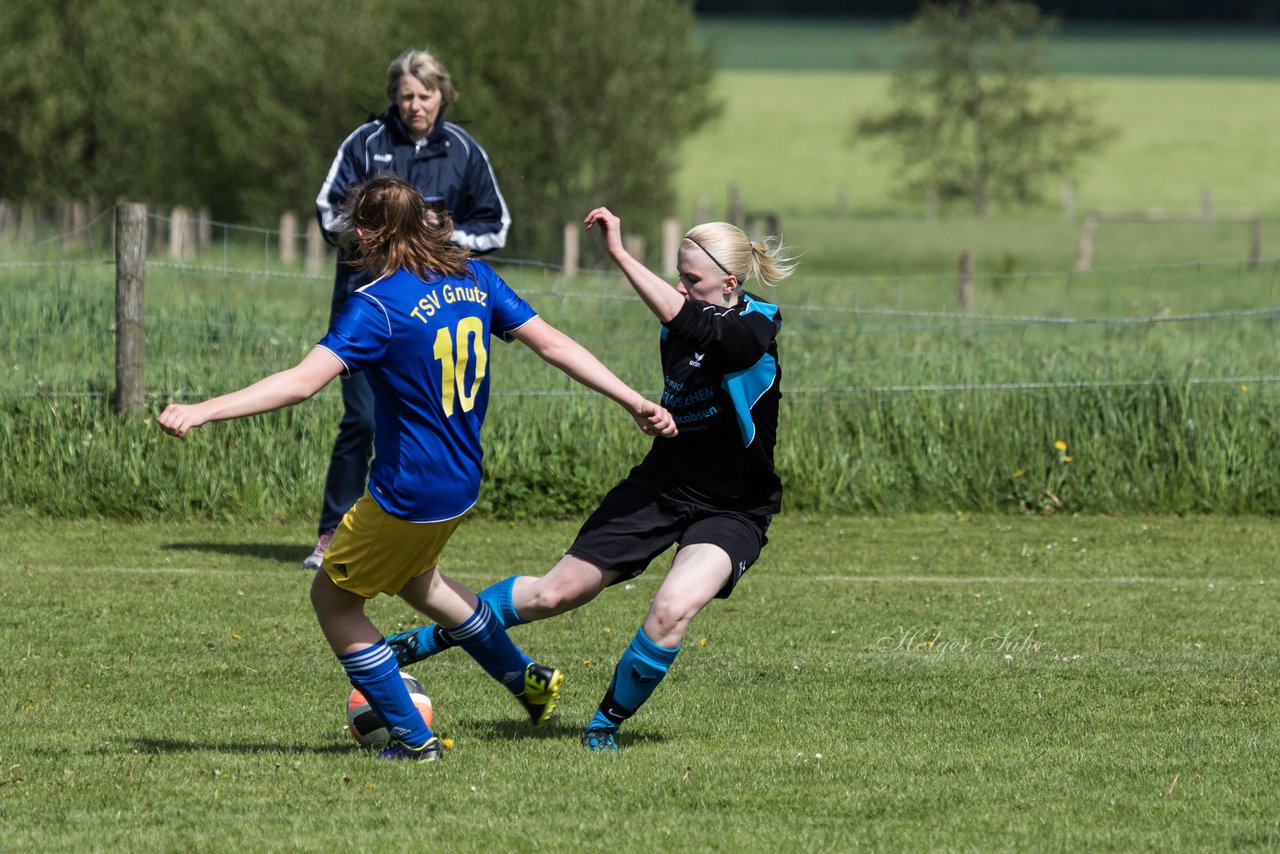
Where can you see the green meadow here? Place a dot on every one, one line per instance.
(1159, 380)
(782, 137)
(939, 682)
(1020, 596)
(1192, 109)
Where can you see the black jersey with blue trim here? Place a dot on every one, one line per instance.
(721, 383)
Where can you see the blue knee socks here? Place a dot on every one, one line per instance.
(484, 639)
(639, 671)
(431, 640)
(373, 672)
(498, 597)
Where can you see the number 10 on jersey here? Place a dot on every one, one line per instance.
(454, 360)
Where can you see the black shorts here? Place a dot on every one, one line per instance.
(635, 523)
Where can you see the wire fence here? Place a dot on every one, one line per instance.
(233, 304)
(1134, 388)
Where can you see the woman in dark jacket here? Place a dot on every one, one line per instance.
(413, 142)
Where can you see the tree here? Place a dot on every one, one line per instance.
(239, 105)
(977, 116)
(579, 103)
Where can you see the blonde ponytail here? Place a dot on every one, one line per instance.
(736, 254)
(769, 263)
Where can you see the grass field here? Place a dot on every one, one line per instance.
(1036, 679)
(783, 138)
(945, 682)
(1191, 107)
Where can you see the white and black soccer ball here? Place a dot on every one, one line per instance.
(363, 722)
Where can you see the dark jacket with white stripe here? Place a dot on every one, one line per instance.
(448, 167)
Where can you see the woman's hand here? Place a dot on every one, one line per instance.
(178, 418)
(654, 420)
(610, 229)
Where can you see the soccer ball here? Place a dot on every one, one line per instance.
(363, 722)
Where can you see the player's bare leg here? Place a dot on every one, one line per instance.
(697, 574)
(571, 583)
(475, 627)
(516, 600)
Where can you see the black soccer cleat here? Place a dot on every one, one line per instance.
(541, 691)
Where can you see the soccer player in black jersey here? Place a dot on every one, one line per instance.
(712, 488)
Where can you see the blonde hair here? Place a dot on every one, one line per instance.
(424, 66)
(738, 255)
(395, 231)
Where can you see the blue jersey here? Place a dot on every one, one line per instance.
(424, 345)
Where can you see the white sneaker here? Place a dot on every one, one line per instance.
(313, 560)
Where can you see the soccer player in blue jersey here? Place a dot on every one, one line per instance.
(421, 332)
(712, 489)
(412, 139)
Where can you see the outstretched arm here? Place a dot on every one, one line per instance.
(274, 392)
(575, 360)
(662, 299)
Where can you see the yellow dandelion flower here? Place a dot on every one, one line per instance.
(607, 630)
(447, 742)
(1060, 445)
(1066, 459)
(1244, 388)
(1019, 473)
(702, 642)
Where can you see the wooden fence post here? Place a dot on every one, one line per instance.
(190, 241)
(1068, 202)
(701, 210)
(671, 238)
(931, 204)
(72, 219)
(735, 205)
(204, 231)
(1084, 251)
(92, 209)
(314, 262)
(6, 221)
(62, 221)
(26, 223)
(634, 244)
(964, 284)
(1255, 242)
(288, 238)
(177, 228)
(131, 266)
(570, 263)
(1206, 202)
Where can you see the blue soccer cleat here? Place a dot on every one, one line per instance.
(600, 740)
(408, 645)
(428, 752)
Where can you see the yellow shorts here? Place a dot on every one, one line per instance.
(373, 552)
